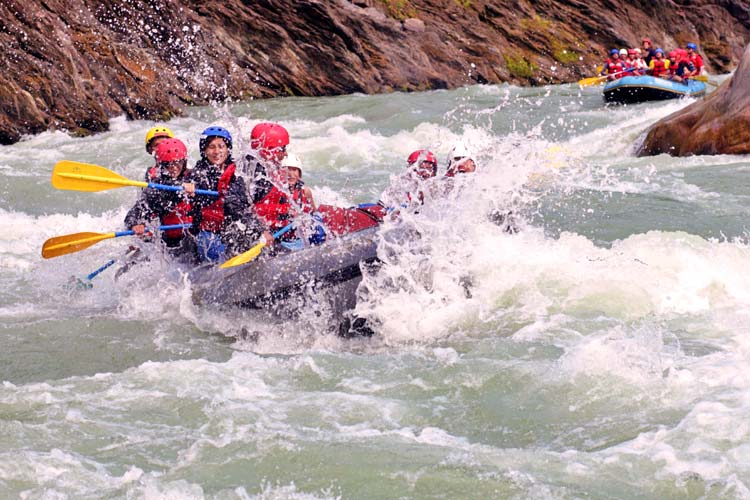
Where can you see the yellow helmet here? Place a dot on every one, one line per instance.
(155, 132)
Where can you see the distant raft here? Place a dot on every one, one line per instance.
(634, 89)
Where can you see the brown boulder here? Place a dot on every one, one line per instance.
(719, 124)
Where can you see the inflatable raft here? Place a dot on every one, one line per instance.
(274, 278)
(634, 89)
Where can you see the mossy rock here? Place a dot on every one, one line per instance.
(519, 66)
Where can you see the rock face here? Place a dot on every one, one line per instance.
(720, 124)
(73, 64)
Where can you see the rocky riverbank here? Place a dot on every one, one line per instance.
(74, 64)
(719, 124)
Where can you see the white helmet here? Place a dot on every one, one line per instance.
(623, 52)
(459, 151)
(292, 160)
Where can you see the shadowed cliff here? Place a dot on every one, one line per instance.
(74, 64)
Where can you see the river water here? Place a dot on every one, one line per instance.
(603, 351)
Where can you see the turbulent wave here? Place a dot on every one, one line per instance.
(600, 350)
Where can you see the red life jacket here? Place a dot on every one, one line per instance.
(615, 67)
(274, 208)
(212, 216)
(180, 214)
(659, 68)
(300, 198)
(697, 61)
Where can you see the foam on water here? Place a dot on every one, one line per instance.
(553, 362)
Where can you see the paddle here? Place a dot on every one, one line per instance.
(700, 78)
(71, 243)
(595, 80)
(76, 176)
(94, 274)
(251, 254)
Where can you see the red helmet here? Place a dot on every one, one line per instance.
(171, 150)
(268, 136)
(673, 55)
(632, 52)
(646, 40)
(424, 155)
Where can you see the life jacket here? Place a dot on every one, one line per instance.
(180, 214)
(273, 208)
(615, 67)
(697, 61)
(212, 216)
(659, 66)
(300, 198)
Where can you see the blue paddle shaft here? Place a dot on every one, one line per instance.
(160, 228)
(96, 273)
(283, 230)
(166, 187)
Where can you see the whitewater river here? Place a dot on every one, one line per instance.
(603, 351)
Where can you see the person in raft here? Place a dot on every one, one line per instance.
(694, 57)
(227, 225)
(659, 66)
(154, 137)
(647, 50)
(170, 207)
(303, 207)
(269, 191)
(614, 66)
(680, 67)
(412, 187)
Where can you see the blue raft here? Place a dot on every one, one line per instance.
(633, 89)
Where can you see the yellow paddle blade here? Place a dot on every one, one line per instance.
(244, 257)
(700, 78)
(594, 80)
(76, 176)
(70, 243)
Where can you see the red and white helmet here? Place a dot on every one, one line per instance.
(423, 155)
(417, 161)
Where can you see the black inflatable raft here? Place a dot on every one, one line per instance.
(280, 278)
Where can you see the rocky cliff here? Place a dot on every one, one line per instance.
(73, 64)
(719, 124)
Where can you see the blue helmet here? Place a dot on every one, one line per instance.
(613, 52)
(693, 46)
(659, 51)
(214, 131)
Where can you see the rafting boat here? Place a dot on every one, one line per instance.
(634, 89)
(274, 278)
